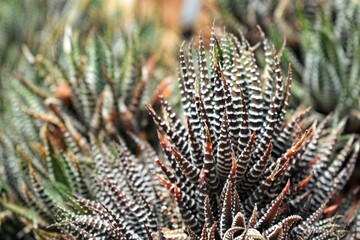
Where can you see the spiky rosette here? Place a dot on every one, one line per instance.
(238, 169)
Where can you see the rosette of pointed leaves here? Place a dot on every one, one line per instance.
(331, 52)
(237, 168)
(254, 185)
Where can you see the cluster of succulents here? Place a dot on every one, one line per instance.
(82, 157)
(53, 110)
(238, 168)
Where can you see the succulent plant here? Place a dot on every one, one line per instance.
(79, 160)
(52, 113)
(38, 26)
(331, 54)
(239, 167)
(42, 25)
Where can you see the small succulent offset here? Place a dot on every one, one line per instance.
(239, 168)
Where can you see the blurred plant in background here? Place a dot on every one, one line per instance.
(86, 93)
(332, 59)
(38, 26)
(42, 24)
(280, 14)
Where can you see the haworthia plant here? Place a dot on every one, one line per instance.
(45, 134)
(237, 166)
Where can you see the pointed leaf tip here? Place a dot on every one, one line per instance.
(233, 165)
(304, 182)
(330, 209)
(165, 182)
